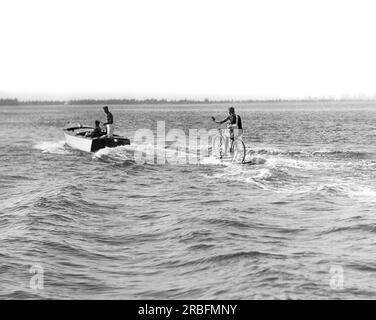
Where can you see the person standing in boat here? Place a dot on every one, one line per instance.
(110, 122)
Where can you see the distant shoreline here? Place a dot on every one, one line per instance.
(16, 102)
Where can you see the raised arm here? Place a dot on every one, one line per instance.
(220, 122)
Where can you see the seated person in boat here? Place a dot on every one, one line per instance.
(97, 132)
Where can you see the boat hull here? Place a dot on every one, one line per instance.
(75, 138)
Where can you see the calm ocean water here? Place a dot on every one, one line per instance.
(299, 225)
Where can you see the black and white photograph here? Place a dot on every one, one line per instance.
(201, 150)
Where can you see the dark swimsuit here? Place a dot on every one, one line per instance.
(232, 119)
(110, 118)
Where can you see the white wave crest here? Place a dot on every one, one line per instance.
(120, 153)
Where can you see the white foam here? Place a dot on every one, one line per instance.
(241, 173)
(263, 174)
(120, 153)
(301, 164)
(52, 147)
(211, 161)
(149, 150)
(264, 150)
(361, 193)
(102, 152)
(173, 155)
(255, 160)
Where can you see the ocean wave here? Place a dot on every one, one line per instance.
(121, 151)
(265, 176)
(201, 246)
(243, 255)
(361, 193)
(274, 152)
(347, 154)
(336, 190)
(229, 223)
(355, 228)
(323, 152)
(22, 295)
(117, 156)
(254, 160)
(220, 258)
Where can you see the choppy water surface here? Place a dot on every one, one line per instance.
(103, 226)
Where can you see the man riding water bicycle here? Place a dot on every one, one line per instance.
(234, 125)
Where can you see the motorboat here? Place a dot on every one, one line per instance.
(76, 138)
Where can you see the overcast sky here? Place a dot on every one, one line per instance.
(203, 48)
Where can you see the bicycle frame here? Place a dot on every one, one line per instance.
(225, 134)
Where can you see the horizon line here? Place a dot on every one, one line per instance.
(19, 101)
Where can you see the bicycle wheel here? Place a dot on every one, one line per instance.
(218, 147)
(239, 151)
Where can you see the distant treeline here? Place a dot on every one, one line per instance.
(16, 102)
(105, 101)
(135, 101)
(13, 102)
(9, 102)
(108, 101)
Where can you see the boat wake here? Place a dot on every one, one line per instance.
(296, 173)
(53, 147)
(291, 172)
(120, 155)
